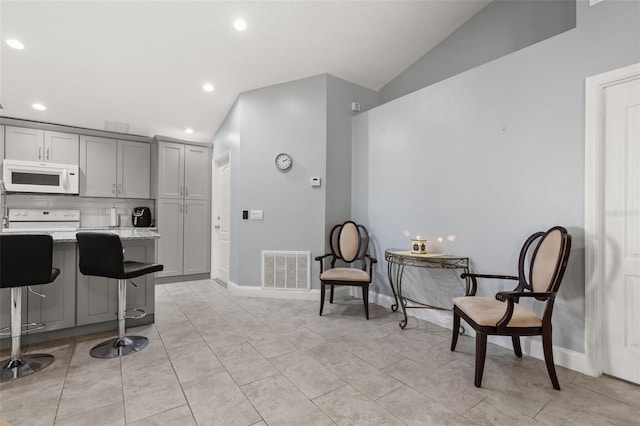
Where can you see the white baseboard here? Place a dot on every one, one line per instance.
(531, 346)
(257, 291)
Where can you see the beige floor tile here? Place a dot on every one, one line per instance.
(245, 364)
(302, 338)
(217, 400)
(86, 392)
(307, 374)
(610, 387)
(178, 334)
(347, 406)
(416, 409)
(109, 415)
(150, 391)
(369, 350)
(449, 386)
(193, 361)
(492, 412)
(573, 404)
(179, 416)
(220, 336)
(274, 348)
(38, 411)
(280, 402)
(364, 377)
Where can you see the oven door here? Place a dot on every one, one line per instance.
(26, 176)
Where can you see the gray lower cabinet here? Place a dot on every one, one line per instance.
(97, 297)
(56, 310)
(196, 237)
(184, 246)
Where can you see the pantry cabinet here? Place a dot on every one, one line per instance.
(182, 175)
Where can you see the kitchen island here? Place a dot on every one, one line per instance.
(76, 304)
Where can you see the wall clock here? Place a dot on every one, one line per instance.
(283, 161)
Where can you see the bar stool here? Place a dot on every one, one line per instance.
(102, 255)
(25, 260)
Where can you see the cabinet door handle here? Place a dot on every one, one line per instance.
(47, 153)
(40, 153)
(186, 209)
(186, 191)
(181, 209)
(113, 189)
(217, 226)
(119, 188)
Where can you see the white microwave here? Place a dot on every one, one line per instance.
(31, 176)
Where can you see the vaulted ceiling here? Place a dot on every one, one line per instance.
(144, 63)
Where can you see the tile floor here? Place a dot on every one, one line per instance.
(216, 359)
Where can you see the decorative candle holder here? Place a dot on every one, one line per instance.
(418, 245)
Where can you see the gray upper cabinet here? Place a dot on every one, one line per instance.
(171, 166)
(40, 145)
(185, 171)
(134, 174)
(113, 168)
(98, 166)
(196, 172)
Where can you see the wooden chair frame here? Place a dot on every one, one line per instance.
(336, 254)
(523, 289)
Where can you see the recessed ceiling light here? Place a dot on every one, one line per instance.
(39, 107)
(240, 24)
(16, 44)
(208, 87)
(188, 130)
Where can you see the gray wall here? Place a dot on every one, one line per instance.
(502, 27)
(311, 120)
(491, 155)
(340, 95)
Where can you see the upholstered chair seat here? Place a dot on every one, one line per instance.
(487, 311)
(345, 274)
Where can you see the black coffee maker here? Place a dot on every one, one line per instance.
(141, 217)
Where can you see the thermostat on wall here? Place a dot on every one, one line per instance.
(315, 181)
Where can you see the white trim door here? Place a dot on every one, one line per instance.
(220, 217)
(612, 223)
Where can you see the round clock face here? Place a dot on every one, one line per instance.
(283, 161)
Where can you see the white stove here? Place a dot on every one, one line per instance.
(21, 220)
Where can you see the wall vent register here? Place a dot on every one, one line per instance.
(286, 270)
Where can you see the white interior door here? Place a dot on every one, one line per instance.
(621, 328)
(220, 217)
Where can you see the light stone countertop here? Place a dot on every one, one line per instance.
(128, 233)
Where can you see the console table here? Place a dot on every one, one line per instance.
(402, 258)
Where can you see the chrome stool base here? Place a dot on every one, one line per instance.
(23, 366)
(118, 347)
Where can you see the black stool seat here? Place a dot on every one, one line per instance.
(25, 260)
(137, 269)
(102, 255)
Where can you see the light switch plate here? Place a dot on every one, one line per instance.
(256, 214)
(315, 181)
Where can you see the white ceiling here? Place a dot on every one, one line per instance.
(144, 62)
